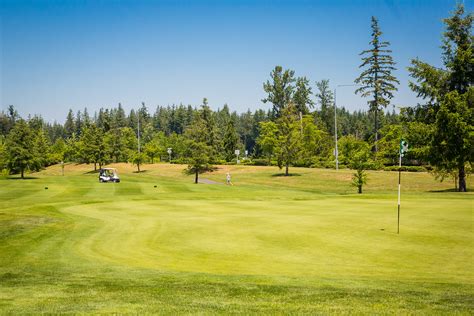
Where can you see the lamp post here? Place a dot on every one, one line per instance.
(336, 152)
(138, 132)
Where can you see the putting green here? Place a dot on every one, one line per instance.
(302, 244)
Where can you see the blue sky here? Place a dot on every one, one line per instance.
(57, 55)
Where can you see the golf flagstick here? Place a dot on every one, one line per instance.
(402, 151)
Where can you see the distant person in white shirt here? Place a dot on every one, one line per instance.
(228, 179)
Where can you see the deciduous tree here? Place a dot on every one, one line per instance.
(280, 89)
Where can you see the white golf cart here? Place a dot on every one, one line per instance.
(108, 175)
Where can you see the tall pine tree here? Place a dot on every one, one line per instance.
(450, 98)
(325, 99)
(376, 79)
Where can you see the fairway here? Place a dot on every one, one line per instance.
(158, 243)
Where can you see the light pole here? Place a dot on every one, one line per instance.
(336, 152)
(138, 134)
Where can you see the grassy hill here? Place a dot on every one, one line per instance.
(158, 243)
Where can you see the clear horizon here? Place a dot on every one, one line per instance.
(57, 55)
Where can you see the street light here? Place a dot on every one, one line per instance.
(336, 152)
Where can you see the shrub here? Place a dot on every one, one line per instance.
(405, 168)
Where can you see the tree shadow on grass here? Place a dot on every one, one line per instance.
(289, 175)
(19, 178)
(446, 191)
(92, 171)
(141, 171)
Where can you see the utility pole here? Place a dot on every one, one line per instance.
(336, 153)
(138, 134)
(301, 122)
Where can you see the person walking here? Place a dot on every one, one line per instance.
(228, 179)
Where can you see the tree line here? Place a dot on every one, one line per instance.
(298, 130)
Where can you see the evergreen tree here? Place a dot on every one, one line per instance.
(104, 121)
(207, 116)
(450, 97)
(376, 79)
(120, 117)
(143, 115)
(86, 119)
(8, 119)
(20, 148)
(42, 149)
(197, 130)
(246, 130)
(93, 148)
(78, 124)
(325, 99)
(114, 141)
(69, 125)
(36, 123)
(133, 120)
(203, 128)
(230, 141)
(199, 161)
(359, 162)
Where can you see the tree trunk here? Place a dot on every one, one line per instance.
(152, 159)
(376, 104)
(95, 166)
(196, 177)
(462, 179)
(376, 128)
(360, 189)
(138, 166)
(286, 169)
(22, 171)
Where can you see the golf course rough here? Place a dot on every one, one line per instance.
(304, 244)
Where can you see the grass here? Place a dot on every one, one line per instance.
(157, 243)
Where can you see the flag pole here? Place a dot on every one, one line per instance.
(399, 186)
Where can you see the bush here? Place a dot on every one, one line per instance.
(4, 173)
(257, 162)
(222, 162)
(303, 163)
(374, 165)
(406, 168)
(180, 161)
